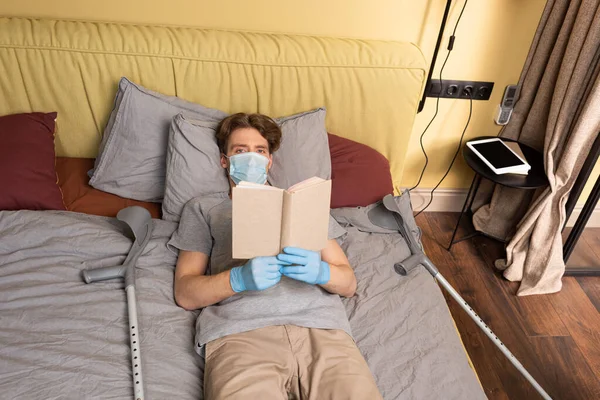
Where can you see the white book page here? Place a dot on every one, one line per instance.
(305, 183)
(250, 185)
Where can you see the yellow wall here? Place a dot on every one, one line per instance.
(491, 44)
(590, 184)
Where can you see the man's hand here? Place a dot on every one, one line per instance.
(307, 267)
(259, 273)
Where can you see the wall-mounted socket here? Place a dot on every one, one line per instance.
(460, 89)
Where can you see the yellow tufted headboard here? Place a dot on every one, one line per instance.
(370, 88)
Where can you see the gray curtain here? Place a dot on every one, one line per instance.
(557, 112)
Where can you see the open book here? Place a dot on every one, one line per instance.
(267, 219)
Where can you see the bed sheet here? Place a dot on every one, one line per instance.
(401, 323)
(64, 339)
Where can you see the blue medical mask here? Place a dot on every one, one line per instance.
(249, 167)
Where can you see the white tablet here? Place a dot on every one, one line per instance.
(498, 156)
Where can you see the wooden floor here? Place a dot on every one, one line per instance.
(556, 337)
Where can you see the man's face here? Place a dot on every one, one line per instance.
(243, 140)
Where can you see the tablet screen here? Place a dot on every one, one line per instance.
(497, 154)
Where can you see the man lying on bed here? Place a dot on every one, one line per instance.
(272, 326)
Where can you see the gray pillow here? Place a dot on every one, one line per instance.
(304, 150)
(131, 158)
(193, 167)
(193, 164)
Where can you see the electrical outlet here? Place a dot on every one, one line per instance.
(452, 89)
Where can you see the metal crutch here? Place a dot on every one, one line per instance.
(387, 215)
(139, 221)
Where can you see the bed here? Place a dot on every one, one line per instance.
(64, 339)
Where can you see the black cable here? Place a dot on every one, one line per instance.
(437, 105)
(437, 102)
(453, 158)
(457, 21)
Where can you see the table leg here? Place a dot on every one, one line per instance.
(467, 205)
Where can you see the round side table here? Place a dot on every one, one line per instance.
(536, 178)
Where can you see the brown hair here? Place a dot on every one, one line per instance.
(263, 124)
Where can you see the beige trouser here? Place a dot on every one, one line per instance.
(287, 361)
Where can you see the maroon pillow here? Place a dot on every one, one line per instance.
(27, 173)
(360, 175)
(79, 196)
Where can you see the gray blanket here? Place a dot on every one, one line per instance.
(63, 339)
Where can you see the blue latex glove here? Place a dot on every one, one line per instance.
(259, 273)
(307, 267)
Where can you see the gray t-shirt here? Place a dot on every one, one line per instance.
(205, 226)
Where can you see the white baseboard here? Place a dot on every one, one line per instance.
(452, 200)
(593, 222)
(444, 200)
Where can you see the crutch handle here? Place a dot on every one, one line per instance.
(404, 267)
(103, 274)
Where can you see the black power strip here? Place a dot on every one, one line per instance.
(452, 89)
